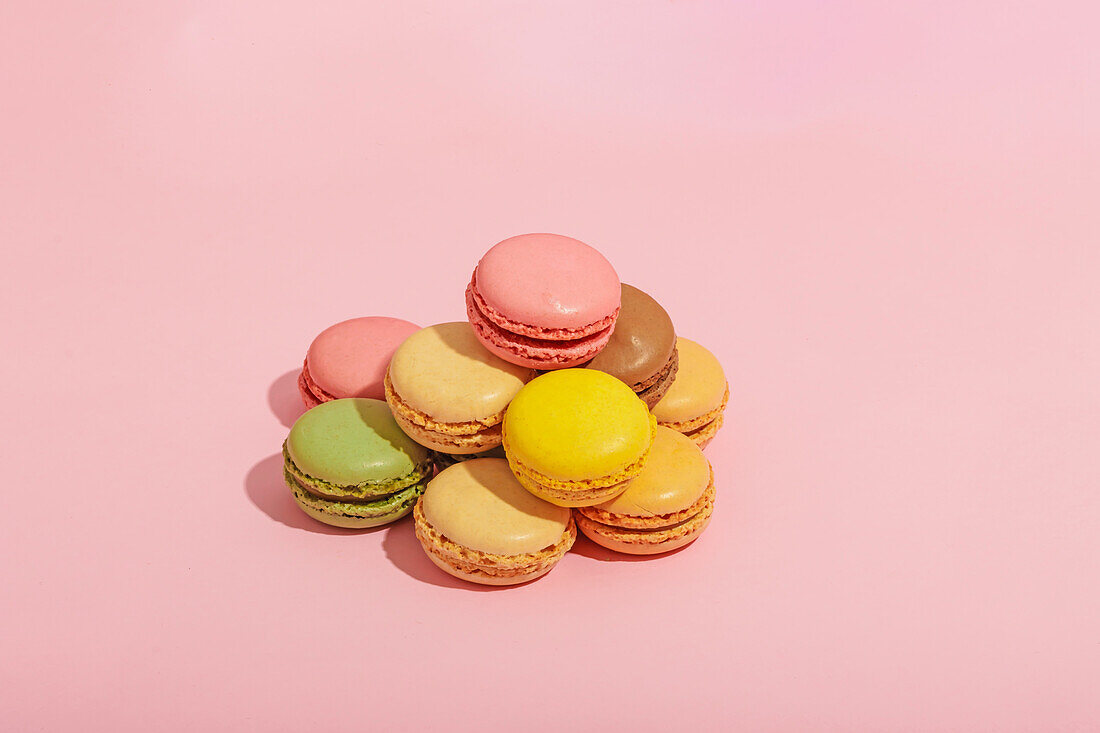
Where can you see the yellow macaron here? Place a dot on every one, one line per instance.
(577, 437)
(697, 398)
(667, 506)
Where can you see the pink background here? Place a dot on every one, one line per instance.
(883, 220)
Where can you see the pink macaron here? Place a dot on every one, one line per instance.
(350, 358)
(543, 301)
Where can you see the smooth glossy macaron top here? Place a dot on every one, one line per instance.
(675, 476)
(445, 372)
(351, 441)
(575, 424)
(349, 359)
(479, 504)
(642, 342)
(700, 385)
(548, 281)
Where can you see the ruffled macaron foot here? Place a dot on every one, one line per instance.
(477, 523)
(665, 508)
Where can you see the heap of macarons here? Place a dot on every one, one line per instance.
(564, 402)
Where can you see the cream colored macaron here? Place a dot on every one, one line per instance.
(478, 523)
(448, 392)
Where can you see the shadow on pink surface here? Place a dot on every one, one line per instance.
(284, 400)
(404, 551)
(265, 488)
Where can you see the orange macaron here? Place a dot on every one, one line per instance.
(666, 507)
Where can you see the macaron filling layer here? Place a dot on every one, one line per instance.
(487, 564)
(612, 533)
(653, 389)
(538, 350)
(366, 491)
(393, 505)
(309, 388)
(470, 427)
(578, 492)
(651, 521)
(665, 374)
(575, 486)
(704, 427)
(474, 299)
(460, 437)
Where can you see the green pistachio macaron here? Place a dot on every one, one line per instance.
(348, 464)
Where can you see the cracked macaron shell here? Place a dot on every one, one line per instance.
(349, 359)
(700, 385)
(577, 424)
(444, 372)
(642, 342)
(674, 478)
(480, 505)
(548, 281)
(353, 441)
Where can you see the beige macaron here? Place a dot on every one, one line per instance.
(478, 523)
(448, 392)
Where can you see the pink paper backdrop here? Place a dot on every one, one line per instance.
(882, 219)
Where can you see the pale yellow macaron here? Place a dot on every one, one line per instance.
(448, 392)
(667, 506)
(477, 523)
(694, 403)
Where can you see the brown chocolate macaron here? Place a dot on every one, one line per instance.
(642, 349)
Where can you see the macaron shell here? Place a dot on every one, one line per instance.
(445, 372)
(582, 497)
(659, 385)
(480, 505)
(548, 281)
(354, 516)
(643, 340)
(535, 353)
(367, 491)
(675, 476)
(352, 441)
(308, 398)
(577, 424)
(349, 359)
(456, 444)
(703, 435)
(632, 542)
(699, 388)
(485, 579)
